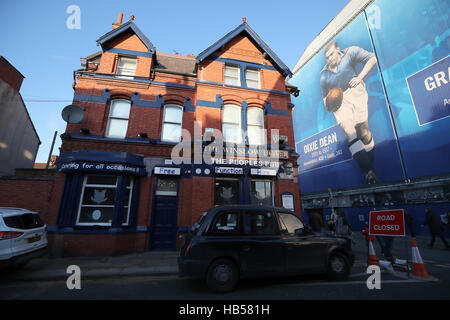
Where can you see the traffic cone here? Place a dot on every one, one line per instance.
(372, 259)
(418, 265)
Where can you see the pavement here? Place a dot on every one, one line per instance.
(165, 263)
(135, 264)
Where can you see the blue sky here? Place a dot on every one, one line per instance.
(36, 40)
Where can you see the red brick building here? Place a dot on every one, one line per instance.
(120, 182)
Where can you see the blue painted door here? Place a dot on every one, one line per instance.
(164, 223)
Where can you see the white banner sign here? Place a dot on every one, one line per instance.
(167, 171)
(263, 172)
(229, 170)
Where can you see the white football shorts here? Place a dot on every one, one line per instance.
(354, 107)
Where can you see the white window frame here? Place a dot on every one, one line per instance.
(271, 188)
(225, 179)
(259, 78)
(260, 126)
(172, 122)
(128, 206)
(225, 76)
(117, 118)
(165, 193)
(129, 72)
(232, 123)
(104, 186)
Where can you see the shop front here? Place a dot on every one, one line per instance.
(181, 193)
(115, 202)
(99, 204)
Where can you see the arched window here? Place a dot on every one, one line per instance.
(231, 125)
(172, 123)
(118, 118)
(255, 126)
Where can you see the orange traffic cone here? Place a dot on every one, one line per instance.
(418, 265)
(372, 259)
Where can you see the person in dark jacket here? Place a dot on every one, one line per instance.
(315, 221)
(447, 217)
(409, 224)
(436, 228)
(343, 225)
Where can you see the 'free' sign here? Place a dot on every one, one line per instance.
(387, 223)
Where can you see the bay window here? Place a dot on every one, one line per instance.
(99, 198)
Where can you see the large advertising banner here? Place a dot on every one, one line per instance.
(413, 48)
(342, 124)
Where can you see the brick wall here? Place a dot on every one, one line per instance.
(96, 244)
(32, 193)
(10, 75)
(282, 186)
(149, 120)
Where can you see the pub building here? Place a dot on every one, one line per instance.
(165, 137)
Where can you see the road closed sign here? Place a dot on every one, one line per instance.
(387, 223)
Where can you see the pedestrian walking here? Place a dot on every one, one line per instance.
(380, 241)
(343, 227)
(388, 246)
(332, 223)
(315, 221)
(386, 243)
(433, 221)
(409, 224)
(447, 219)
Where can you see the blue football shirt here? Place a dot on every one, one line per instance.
(346, 69)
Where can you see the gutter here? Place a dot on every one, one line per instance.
(175, 73)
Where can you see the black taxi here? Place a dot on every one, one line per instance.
(228, 243)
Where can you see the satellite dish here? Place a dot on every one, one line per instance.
(72, 114)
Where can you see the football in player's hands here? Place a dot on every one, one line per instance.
(334, 99)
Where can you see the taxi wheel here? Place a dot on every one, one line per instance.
(222, 275)
(338, 267)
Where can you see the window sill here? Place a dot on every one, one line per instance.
(122, 140)
(95, 229)
(113, 76)
(242, 87)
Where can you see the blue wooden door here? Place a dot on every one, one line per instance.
(164, 223)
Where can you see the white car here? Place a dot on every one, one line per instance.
(23, 236)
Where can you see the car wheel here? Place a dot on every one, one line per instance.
(222, 275)
(338, 267)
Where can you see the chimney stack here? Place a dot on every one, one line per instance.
(119, 21)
